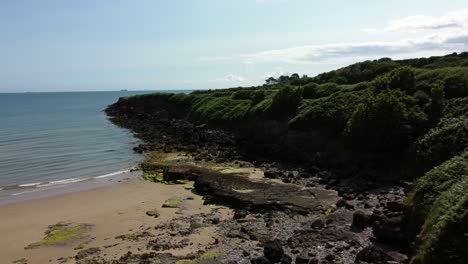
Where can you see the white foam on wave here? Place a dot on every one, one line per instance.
(24, 192)
(41, 186)
(111, 174)
(62, 182)
(34, 184)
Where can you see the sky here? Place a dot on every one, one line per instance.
(89, 45)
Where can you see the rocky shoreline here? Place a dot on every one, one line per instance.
(290, 212)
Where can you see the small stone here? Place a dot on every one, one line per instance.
(240, 214)
(153, 213)
(341, 203)
(317, 224)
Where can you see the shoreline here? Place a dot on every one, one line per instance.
(35, 191)
(117, 210)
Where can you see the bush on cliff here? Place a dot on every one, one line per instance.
(456, 85)
(286, 101)
(441, 202)
(449, 138)
(388, 121)
(330, 113)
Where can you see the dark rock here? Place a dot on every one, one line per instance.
(273, 173)
(241, 213)
(317, 224)
(273, 250)
(389, 230)
(301, 259)
(341, 203)
(153, 213)
(330, 257)
(374, 254)
(396, 206)
(286, 259)
(260, 260)
(360, 219)
(87, 252)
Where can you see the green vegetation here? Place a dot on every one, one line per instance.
(60, 234)
(154, 176)
(208, 257)
(172, 203)
(412, 114)
(441, 202)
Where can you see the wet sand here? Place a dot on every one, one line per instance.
(111, 211)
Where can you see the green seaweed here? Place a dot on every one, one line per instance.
(172, 203)
(60, 234)
(207, 257)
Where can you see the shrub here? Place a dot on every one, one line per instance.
(447, 139)
(402, 78)
(456, 85)
(310, 91)
(386, 122)
(330, 112)
(441, 199)
(422, 98)
(258, 96)
(286, 101)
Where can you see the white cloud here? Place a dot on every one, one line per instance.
(444, 34)
(338, 52)
(230, 78)
(453, 20)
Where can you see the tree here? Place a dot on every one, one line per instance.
(271, 81)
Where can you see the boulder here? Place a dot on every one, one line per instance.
(360, 219)
(273, 251)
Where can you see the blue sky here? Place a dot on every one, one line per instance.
(56, 45)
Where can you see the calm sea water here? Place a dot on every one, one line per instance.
(60, 138)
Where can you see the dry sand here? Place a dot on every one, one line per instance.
(112, 211)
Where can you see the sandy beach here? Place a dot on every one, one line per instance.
(109, 212)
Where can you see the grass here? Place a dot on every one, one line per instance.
(61, 234)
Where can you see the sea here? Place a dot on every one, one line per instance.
(52, 140)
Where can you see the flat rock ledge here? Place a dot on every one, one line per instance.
(247, 188)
